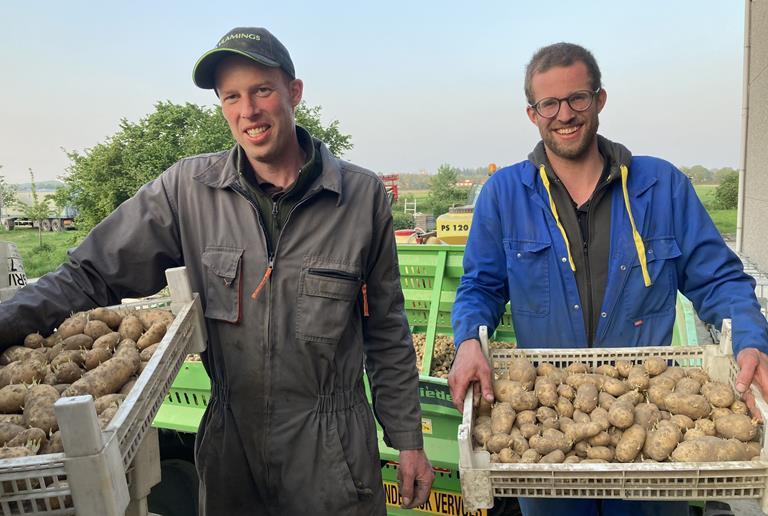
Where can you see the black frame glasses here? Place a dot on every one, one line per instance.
(578, 101)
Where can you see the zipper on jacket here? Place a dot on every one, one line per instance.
(366, 313)
(268, 271)
(275, 223)
(264, 279)
(267, 244)
(333, 273)
(590, 314)
(591, 325)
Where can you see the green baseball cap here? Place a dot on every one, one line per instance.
(255, 43)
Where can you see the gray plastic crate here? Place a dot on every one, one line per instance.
(108, 472)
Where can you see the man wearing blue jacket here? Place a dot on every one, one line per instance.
(590, 246)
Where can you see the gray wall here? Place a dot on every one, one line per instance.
(755, 228)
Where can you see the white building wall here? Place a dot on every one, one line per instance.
(755, 207)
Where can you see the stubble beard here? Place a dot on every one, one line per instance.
(568, 152)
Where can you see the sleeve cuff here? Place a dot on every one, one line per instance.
(472, 333)
(405, 440)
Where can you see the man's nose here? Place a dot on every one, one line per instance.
(249, 107)
(565, 113)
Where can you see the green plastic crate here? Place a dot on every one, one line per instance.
(183, 408)
(429, 276)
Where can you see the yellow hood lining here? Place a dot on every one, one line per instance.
(637, 239)
(545, 180)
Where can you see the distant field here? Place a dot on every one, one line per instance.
(414, 194)
(725, 220)
(706, 193)
(38, 263)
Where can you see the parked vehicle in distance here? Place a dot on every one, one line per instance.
(59, 222)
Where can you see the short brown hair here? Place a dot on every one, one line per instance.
(560, 54)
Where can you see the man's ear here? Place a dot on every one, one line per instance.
(533, 116)
(296, 89)
(601, 98)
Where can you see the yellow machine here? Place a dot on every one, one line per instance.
(453, 227)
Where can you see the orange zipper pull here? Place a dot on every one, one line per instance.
(260, 286)
(365, 300)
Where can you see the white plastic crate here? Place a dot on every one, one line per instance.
(99, 476)
(482, 480)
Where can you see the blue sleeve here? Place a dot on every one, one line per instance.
(711, 275)
(482, 293)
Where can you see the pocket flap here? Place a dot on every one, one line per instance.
(527, 246)
(332, 288)
(661, 249)
(222, 261)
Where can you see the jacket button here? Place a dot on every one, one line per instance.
(519, 255)
(623, 267)
(603, 315)
(650, 251)
(563, 259)
(575, 307)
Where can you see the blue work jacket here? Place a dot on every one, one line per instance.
(516, 253)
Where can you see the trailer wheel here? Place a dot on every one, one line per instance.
(45, 224)
(56, 225)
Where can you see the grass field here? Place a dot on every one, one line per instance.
(725, 220)
(706, 193)
(37, 263)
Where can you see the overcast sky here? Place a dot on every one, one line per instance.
(416, 84)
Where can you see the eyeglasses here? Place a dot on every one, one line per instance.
(578, 101)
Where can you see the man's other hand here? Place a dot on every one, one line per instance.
(753, 369)
(470, 365)
(415, 476)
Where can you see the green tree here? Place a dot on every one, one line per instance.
(443, 192)
(101, 178)
(402, 220)
(721, 174)
(698, 174)
(727, 194)
(37, 211)
(309, 118)
(7, 194)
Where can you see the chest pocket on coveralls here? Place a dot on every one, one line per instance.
(660, 297)
(327, 294)
(528, 276)
(222, 282)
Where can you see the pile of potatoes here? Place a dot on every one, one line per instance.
(100, 352)
(442, 356)
(443, 352)
(627, 412)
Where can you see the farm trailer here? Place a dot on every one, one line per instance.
(56, 223)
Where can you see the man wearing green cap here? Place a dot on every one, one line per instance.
(293, 253)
